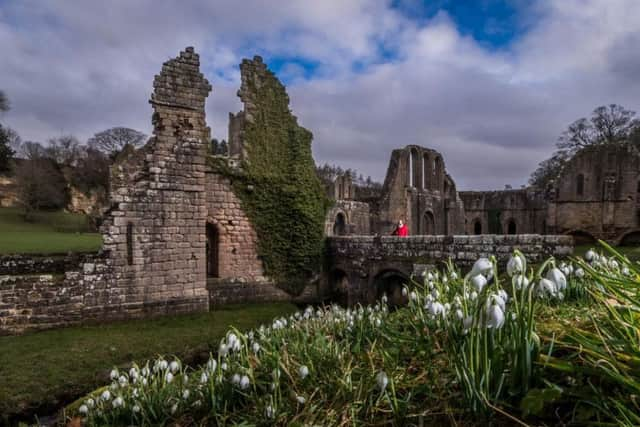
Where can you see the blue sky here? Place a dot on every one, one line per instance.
(490, 84)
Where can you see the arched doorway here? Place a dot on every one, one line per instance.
(213, 251)
(511, 227)
(477, 226)
(339, 287)
(340, 225)
(390, 283)
(428, 223)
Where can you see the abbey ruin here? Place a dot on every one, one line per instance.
(182, 234)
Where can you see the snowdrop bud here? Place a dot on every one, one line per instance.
(384, 298)
(174, 408)
(378, 322)
(269, 411)
(382, 380)
(590, 255)
(185, 394)
(244, 382)
(212, 364)
(204, 378)
(479, 282)
(174, 366)
(495, 317)
(404, 292)
(558, 278)
(303, 371)
(235, 379)
(515, 265)
(256, 347)
(301, 399)
(83, 409)
(481, 266)
(145, 372)
(223, 350)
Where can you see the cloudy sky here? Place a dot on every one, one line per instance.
(489, 83)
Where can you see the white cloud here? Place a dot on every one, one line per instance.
(83, 67)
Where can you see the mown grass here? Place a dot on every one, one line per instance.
(46, 233)
(40, 372)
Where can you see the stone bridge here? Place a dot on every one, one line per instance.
(361, 268)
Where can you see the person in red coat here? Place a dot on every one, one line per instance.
(401, 230)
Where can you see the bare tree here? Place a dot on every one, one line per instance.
(113, 141)
(64, 150)
(4, 102)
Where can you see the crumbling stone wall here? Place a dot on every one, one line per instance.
(418, 190)
(522, 211)
(154, 232)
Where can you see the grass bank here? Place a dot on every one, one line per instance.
(46, 233)
(40, 372)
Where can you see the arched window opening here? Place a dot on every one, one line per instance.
(414, 173)
(438, 173)
(511, 227)
(213, 251)
(130, 243)
(425, 171)
(390, 283)
(580, 185)
(477, 227)
(428, 224)
(340, 225)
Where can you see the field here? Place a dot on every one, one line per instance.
(48, 233)
(551, 345)
(41, 371)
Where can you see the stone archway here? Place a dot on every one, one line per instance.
(340, 225)
(339, 287)
(477, 226)
(428, 223)
(631, 239)
(511, 226)
(213, 250)
(390, 283)
(581, 237)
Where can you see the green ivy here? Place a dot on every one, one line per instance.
(279, 189)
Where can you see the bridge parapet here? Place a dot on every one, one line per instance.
(362, 267)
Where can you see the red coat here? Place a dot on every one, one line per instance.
(401, 231)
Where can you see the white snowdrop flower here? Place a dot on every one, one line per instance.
(122, 381)
(145, 382)
(303, 371)
(467, 323)
(133, 373)
(429, 299)
(244, 382)
(135, 392)
(118, 402)
(495, 317)
(447, 306)
(479, 282)
(106, 395)
(435, 293)
(405, 291)
(579, 273)
(473, 296)
(90, 403)
(197, 403)
(236, 346)
(174, 366)
(235, 379)
(625, 271)
(269, 411)
(445, 279)
(413, 296)
(223, 350)
(378, 322)
(185, 394)
(453, 275)
(301, 400)
(382, 380)
(135, 408)
(515, 265)
(231, 338)
(459, 314)
(457, 301)
(437, 309)
(560, 296)
(113, 374)
(495, 299)
(255, 347)
(83, 409)
(446, 289)
(503, 294)
(565, 270)
(174, 408)
(204, 378)
(481, 266)
(185, 379)
(546, 287)
(513, 316)
(590, 255)
(168, 377)
(251, 334)
(212, 364)
(145, 372)
(613, 264)
(163, 365)
(521, 281)
(384, 298)
(558, 278)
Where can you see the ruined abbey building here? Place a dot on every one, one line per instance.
(596, 196)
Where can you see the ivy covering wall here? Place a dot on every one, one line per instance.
(278, 187)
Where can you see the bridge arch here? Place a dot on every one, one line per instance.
(581, 237)
(511, 226)
(390, 282)
(340, 224)
(477, 226)
(631, 238)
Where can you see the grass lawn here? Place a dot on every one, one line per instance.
(49, 233)
(40, 372)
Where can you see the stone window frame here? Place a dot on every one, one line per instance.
(129, 238)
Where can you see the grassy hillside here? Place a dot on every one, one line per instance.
(48, 233)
